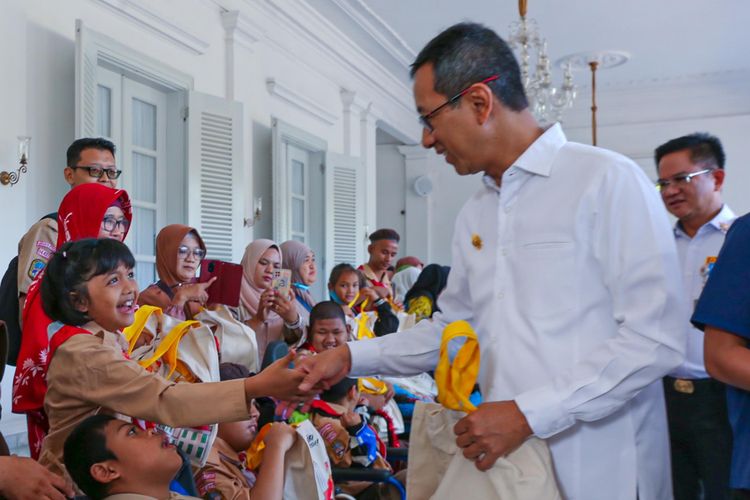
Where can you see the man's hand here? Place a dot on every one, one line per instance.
(492, 431)
(25, 479)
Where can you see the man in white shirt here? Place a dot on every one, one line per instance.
(691, 175)
(564, 265)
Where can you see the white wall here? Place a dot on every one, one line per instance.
(391, 192)
(285, 40)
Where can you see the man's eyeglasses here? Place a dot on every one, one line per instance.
(680, 179)
(425, 119)
(183, 252)
(110, 223)
(98, 172)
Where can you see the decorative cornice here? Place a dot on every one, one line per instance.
(299, 101)
(142, 14)
(240, 28)
(352, 102)
(378, 30)
(298, 24)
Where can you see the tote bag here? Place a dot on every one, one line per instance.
(437, 468)
(237, 342)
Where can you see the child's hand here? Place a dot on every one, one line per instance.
(351, 419)
(281, 437)
(279, 381)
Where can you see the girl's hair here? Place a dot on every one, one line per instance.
(326, 310)
(341, 269)
(71, 267)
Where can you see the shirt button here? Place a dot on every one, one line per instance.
(500, 296)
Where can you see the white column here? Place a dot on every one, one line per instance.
(368, 152)
(418, 221)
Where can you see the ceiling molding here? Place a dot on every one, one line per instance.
(717, 77)
(378, 30)
(299, 101)
(142, 14)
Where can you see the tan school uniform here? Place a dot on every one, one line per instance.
(228, 480)
(34, 250)
(89, 374)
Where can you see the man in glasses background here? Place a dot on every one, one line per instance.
(88, 160)
(691, 176)
(563, 263)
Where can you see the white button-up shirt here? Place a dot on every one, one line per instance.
(569, 275)
(694, 256)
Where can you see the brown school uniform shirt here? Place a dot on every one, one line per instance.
(34, 250)
(229, 480)
(89, 374)
(370, 275)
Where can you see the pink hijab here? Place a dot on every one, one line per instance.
(250, 294)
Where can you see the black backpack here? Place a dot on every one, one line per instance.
(9, 312)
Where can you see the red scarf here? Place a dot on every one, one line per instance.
(79, 216)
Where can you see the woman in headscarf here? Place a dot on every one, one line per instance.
(407, 272)
(300, 259)
(179, 252)
(262, 308)
(421, 300)
(87, 211)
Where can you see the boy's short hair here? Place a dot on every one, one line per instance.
(327, 309)
(233, 371)
(71, 267)
(385, 234)
(338, 391)
(84, 447)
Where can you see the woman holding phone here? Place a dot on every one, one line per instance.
(300, 259)
(264, 309)
(179, 252)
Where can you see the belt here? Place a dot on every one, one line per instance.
(689, 386)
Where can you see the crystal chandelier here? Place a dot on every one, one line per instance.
(546, 101)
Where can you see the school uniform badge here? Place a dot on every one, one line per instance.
(476, 241)
(36, 267)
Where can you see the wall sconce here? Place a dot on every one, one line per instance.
(23, 159)
(257, 212)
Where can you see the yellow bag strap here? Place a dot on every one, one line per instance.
(133, 332)
(370, 385)
(363, 330)
(456, 380)
(167, 348)
(354, 301)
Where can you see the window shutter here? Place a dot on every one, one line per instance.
(85, 82)
(344, 217)
(215, 174)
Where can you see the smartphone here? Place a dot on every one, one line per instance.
(282, 282)
(226, 289)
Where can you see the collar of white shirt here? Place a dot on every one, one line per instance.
(720, 222)
(538, 158)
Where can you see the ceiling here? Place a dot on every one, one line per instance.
(667, 39)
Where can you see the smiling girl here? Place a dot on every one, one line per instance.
(90, 291)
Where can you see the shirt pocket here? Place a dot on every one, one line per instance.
(547, 278)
